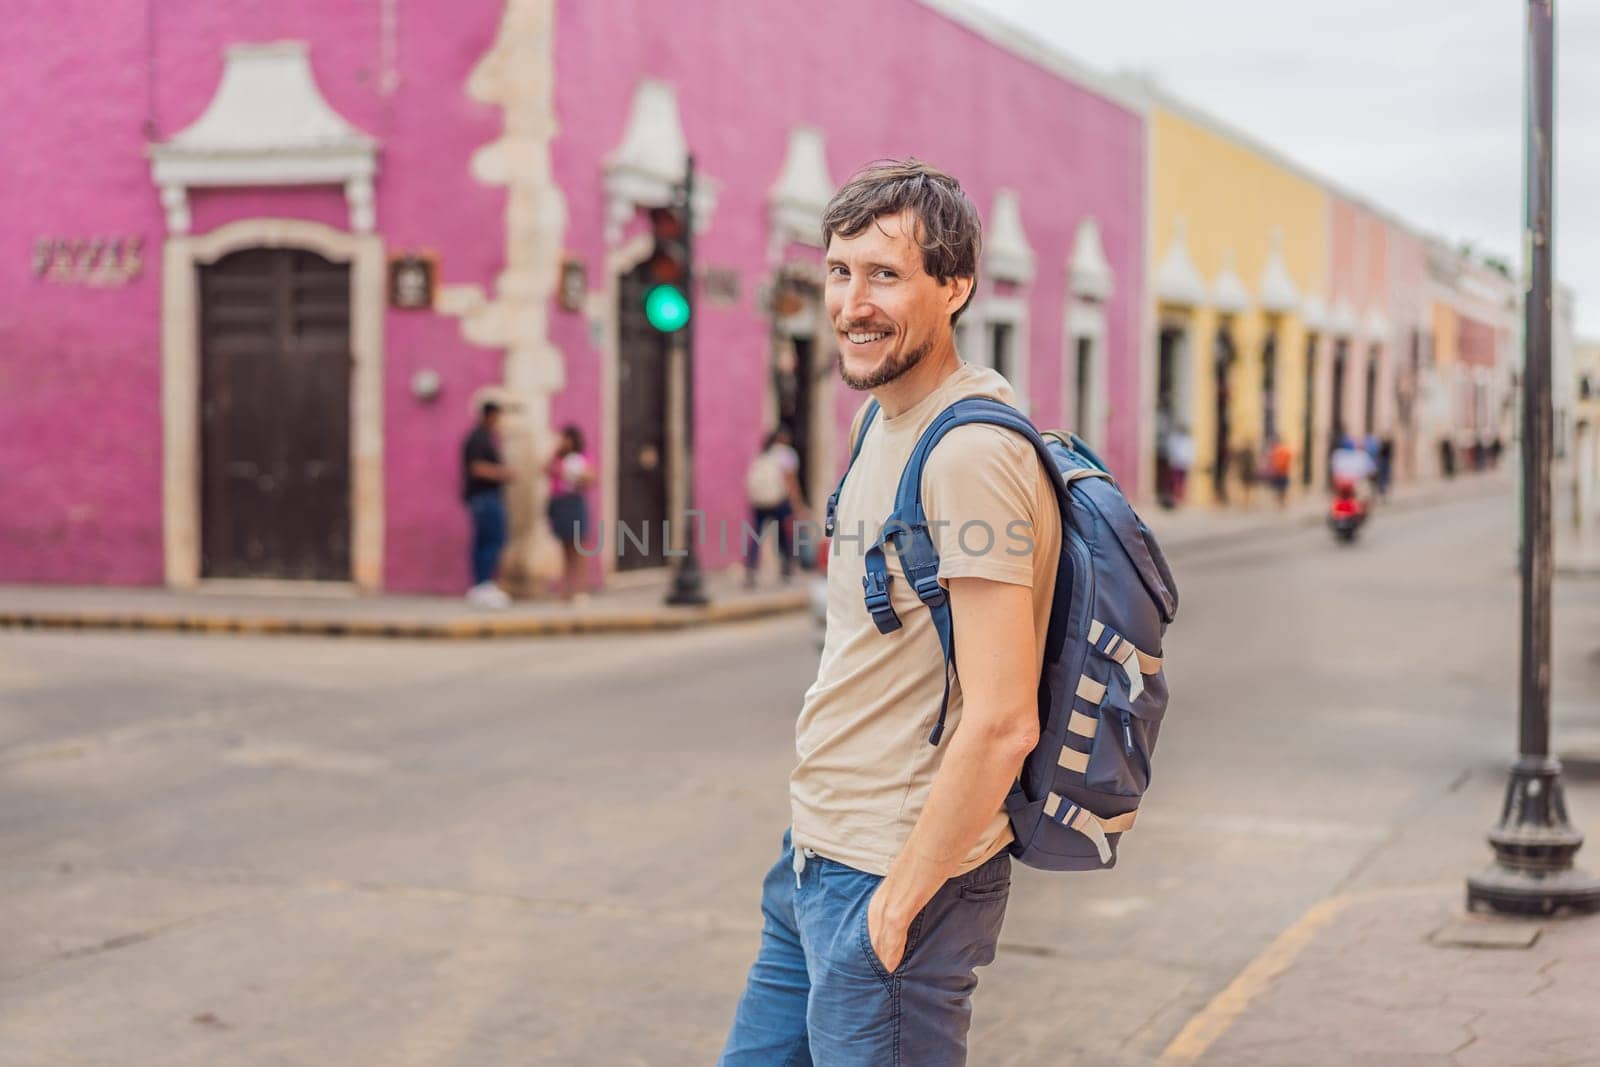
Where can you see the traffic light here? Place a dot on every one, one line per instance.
(666, 302)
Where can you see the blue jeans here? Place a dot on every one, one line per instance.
(488, 534)
(817, 992)
(759, 519)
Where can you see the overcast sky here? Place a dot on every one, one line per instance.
(1416, 105)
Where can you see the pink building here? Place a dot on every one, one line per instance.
(266, 258)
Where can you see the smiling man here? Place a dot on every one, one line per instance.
(893, 880)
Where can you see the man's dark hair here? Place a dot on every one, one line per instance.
(947, 226)
(488, 409)
(572, 433)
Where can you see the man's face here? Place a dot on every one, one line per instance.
(887, 311)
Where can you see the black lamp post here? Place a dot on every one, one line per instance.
(1534, 842)
(688, 582)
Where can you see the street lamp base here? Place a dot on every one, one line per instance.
(688, 584)
(1534, 845)
(1513, 892)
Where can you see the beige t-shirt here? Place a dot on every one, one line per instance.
(865, 762)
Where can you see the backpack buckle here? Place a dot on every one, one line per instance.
(878, 606)
(929, 591)
(833, 506)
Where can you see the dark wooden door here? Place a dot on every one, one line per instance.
(1222, 368)
(642, 455)
(275, 416)
(1308, 436)
(794, 388)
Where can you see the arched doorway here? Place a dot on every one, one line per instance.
(802, 366)
(275, 368)
(1172, 414)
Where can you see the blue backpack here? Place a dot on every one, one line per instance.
(1102, 693)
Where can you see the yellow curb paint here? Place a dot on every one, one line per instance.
(1202, 1031)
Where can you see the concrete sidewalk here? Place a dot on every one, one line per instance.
(1402, 976)
(285, 610)
(631, 609)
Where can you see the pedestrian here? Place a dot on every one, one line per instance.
(483, 478)
(891, 885)
(1247, 461)
(1385, 465)
(1280, 461)
(570, 474)
(1180, 457)
(772, 489)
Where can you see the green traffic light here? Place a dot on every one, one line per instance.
(666, 308)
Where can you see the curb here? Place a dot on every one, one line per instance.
(461, 628)
(619, 622)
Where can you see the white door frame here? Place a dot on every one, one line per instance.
(1086, 320)
(603, 308)
(182, 258)
(989, 310)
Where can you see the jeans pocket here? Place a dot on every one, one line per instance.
(986, 894)
(912, 933)
(864, 935)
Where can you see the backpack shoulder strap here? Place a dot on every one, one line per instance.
(855, 450)
(907, 527)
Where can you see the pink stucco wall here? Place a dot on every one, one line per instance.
(88, 86)
(930, 88)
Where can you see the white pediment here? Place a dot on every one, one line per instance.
(1314, 313)
(1375, 325)
(801, 194)
(1228, 294)
(1007, 256)
(1342, 321)
(1178, 280)
(650, 160)
(1088, 272)
(268, 124)
(1279, 294)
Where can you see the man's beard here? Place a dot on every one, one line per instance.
(887, 371)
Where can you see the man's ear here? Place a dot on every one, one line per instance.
(960, 290)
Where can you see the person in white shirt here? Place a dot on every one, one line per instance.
(772, 487)
(1351, 467)
(1180, 457)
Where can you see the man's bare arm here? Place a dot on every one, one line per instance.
(998, 662)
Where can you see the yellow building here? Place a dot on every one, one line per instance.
(1238, 257)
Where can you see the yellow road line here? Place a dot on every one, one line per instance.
(1225, 1008)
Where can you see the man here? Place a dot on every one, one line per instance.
(1351, 468)
(1280, 465)
(483, 475)
(891, 887)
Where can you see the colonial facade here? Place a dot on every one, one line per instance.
(1282, 305)
(273, 259)
(279, 255)
(1239, 261)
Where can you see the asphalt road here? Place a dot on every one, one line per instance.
(225, 850)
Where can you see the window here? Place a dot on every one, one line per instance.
(999, 353)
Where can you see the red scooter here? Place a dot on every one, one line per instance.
(1347, 512)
